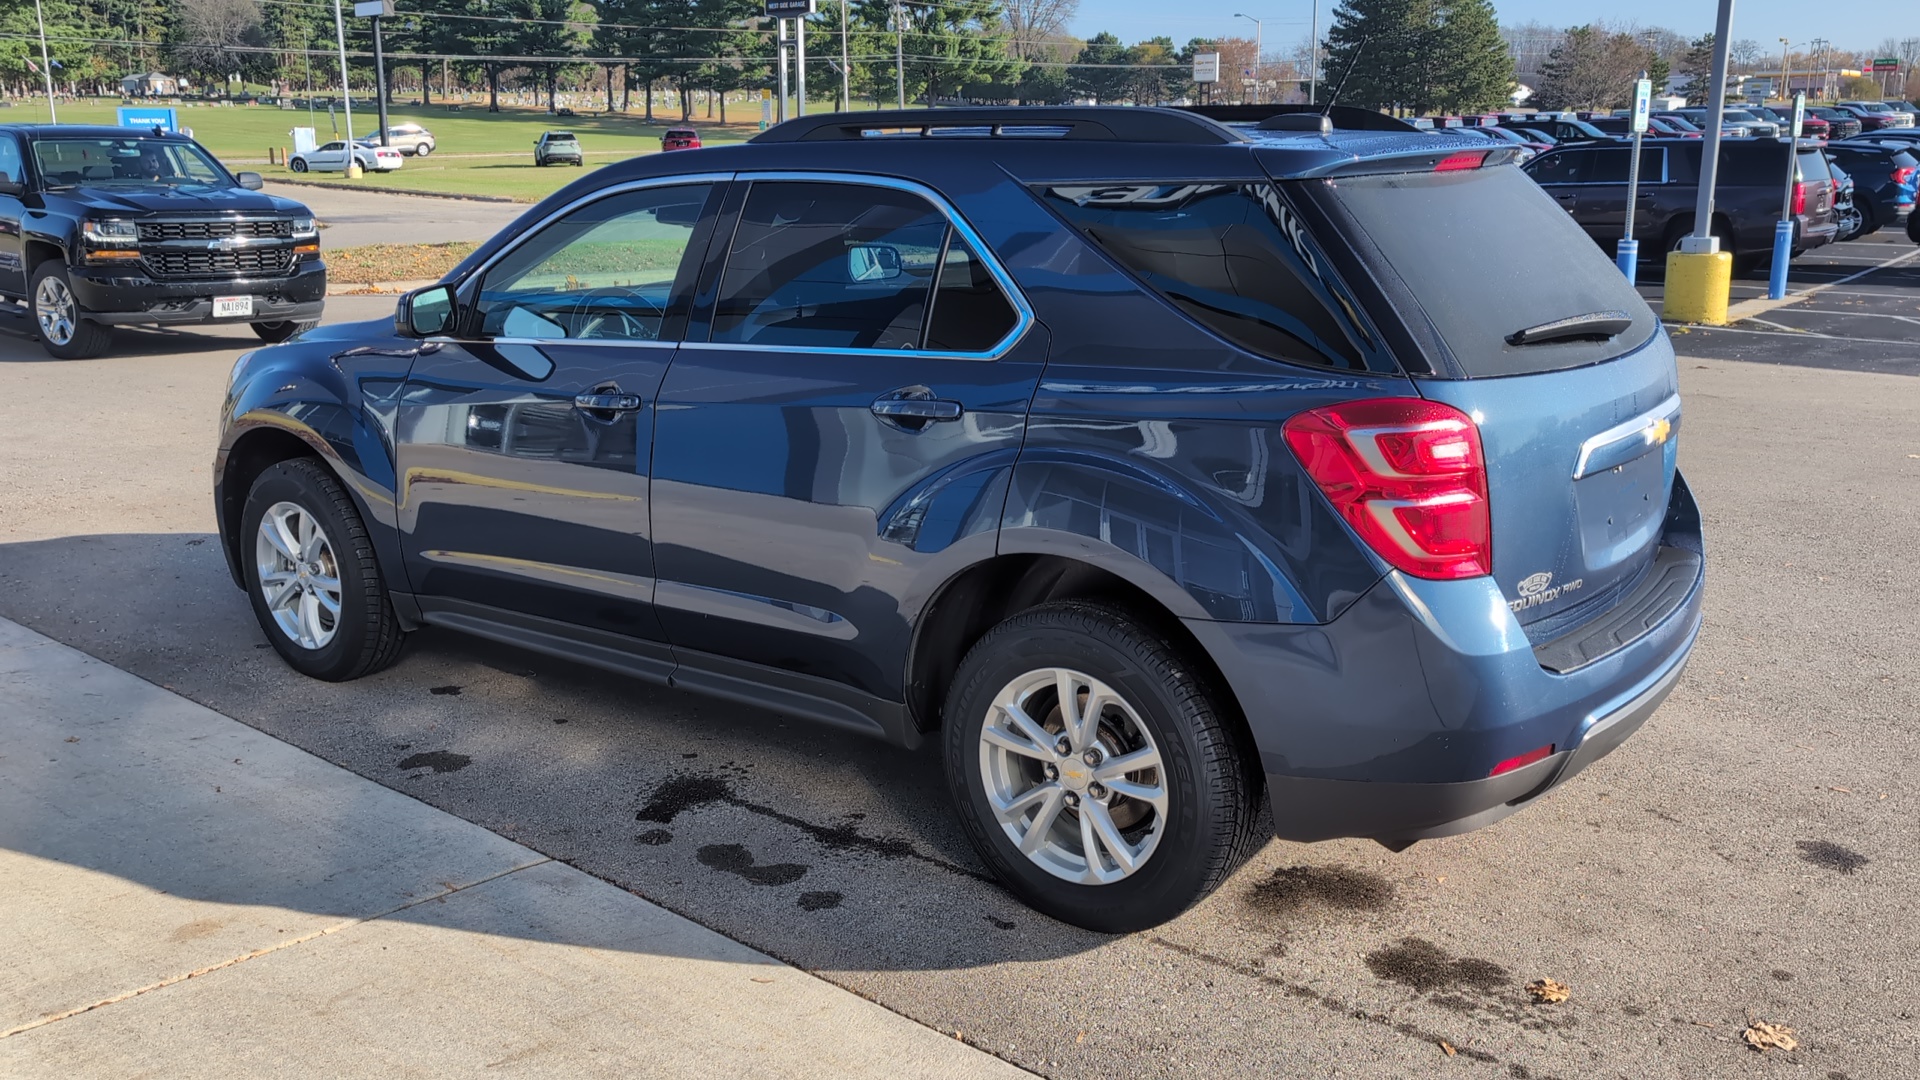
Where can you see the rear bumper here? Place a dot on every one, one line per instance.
(1386, 723)
(117, 296)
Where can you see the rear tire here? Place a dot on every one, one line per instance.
(275, 332)
(298, 165)
(65, 331)
(315, 582)
(1186, 815)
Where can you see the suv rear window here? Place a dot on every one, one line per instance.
(1232, 256)
(1483, 253)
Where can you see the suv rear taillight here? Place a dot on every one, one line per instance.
(1799, 197)
(1408, 476)
(1902, 174)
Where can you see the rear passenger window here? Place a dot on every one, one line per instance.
(1563, 167)
(1232, 256)
(845, 266)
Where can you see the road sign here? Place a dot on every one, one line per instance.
(1799, 113)
(1206, 67)
(789, 9)
(1642, 103)
(372, 9)
(139, 117)
(1887, 63)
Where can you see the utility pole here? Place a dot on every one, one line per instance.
(900, 50)
(800, 63)
(1786, 50)
(846, 93)
(1313, 54)
(377, 9)
(781, 116)
(346, 95)
(46, 65)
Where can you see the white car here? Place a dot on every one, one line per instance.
(332, 157)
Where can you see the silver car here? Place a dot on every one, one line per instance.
(410, 139)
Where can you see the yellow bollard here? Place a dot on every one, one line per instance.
(355, 172)
(1697, 287)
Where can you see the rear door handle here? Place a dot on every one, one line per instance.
(606, 401)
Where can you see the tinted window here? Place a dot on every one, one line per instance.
(1483, 253)
(970, 313)
(11, 167)
(604, 271)
(1563, 167)
(1611, 166)
(1232, 256)
(1813, 165)
(124, 161)
(837, 266)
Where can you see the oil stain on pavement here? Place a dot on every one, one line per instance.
(735, 859)
(1831, 855)
(439, 761)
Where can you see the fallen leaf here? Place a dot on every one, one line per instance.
(1700, 1023)
(1549, 991)
(1448, 1047)
(760, 980)
(1848, 790)
(1080, 1038)
(1763, 1037)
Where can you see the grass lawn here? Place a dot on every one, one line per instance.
(475, 153)
(393, 262)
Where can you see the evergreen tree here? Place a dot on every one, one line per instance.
(1475, 70)
(1378, 52)
(1097, 73)
(949, 44)
(1658, 71)
(1698, 62)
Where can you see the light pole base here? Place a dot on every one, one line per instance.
(1698, 287)
(1627, 256)
(355, 172)
(1782, 255)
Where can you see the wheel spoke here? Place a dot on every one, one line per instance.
(284, 592)
(1114, 768)
(1030, 728)
(1090, 849)
(1155, 796)
(1067, 685)
(310, 629)
(1016, 808)
(1014, 744)
(1109, 834)
(329, 600)
(276, 532)
(1036, 833)
(311, 539)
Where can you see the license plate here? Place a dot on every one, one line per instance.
(232, 307)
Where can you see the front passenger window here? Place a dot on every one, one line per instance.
(603, 272)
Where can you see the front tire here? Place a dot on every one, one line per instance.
(423, 150)
(312, 575)
(65, 331)
(275, 332)
(1118, 811)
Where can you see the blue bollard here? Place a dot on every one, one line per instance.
(1782, 253)
(1626, 255)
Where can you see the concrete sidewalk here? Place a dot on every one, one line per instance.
(183, 895)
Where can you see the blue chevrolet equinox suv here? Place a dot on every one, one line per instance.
(1154, 468)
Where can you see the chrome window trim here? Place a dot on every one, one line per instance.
(1643, 426)
(1023, 312)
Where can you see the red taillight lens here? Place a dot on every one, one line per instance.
(1523, 760)
(1408, 476)
(1903, 174)
(1455, 162)
(1799, 198)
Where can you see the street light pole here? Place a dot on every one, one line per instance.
(900, 50)
(346, 94)
(1786, 80)
(1313, 54)
(46, 65)
(1259, 41)
(846, 94)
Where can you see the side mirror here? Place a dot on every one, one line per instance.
(250, 180)
(424, 312)
(873, 262)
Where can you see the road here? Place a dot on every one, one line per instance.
(1750, 855)
(353, 218)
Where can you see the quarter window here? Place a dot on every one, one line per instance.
(846, 266)
(605, 271)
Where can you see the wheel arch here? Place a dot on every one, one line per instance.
(254, 452)
(989, 592)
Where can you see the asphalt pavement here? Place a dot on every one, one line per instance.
(353, 218)
(1749, 855)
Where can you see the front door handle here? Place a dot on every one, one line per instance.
(607, 401)
(916, 409)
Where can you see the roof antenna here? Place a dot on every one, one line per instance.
(1352, 62)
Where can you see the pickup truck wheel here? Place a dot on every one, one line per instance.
(298, 165)
(1096, 770)
(312, 575)
(276, 332)
(65, 331)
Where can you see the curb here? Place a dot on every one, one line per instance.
(379, 288)
(400, 191)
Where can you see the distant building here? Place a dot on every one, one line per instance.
(152, 84)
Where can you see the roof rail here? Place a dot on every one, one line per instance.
(1344, 117)
(1111, 123)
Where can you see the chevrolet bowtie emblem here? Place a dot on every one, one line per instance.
(1659, 431)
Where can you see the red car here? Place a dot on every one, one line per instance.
(680, 139)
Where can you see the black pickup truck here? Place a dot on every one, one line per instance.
(102, 226)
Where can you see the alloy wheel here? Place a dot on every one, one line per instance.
(299, 575)
(53, 309)
(1073, 777)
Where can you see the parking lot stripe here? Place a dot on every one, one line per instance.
(1747, 309)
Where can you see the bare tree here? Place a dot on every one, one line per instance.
(205, 33)
(1037, 27)
(1745, 53)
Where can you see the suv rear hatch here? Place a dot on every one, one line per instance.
(1501, 307)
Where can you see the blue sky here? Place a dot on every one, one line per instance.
(1863, 24)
